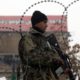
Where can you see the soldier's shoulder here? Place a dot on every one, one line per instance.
(27, 36)
(28, 42)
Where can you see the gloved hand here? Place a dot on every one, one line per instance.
(58, 61)
(67, 70)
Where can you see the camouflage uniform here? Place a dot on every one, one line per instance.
(37, 55)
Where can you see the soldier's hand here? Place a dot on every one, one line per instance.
(59, 61)
(66, 71)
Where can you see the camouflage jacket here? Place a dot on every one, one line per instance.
(35, 51)
(35, 47)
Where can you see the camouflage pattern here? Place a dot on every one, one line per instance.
(37, 55)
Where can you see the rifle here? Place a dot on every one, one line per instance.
(55, 45)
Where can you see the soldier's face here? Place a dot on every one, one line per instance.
(42, 25)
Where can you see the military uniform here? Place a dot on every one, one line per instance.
(37, 56)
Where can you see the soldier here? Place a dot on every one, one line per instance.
(40, 60)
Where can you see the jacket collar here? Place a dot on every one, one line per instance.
(34, 31)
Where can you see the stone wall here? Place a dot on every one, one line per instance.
(9, 42)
